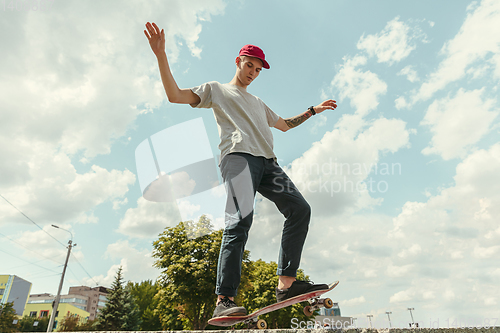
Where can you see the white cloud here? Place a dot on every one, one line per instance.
(363, 88)
(393, 44)
(319, 122)
(456, 233)
(48, 246)
(76, 91)
(353, 301)
(410, 73)
(54, 192)
(399, 271)
(81, 88)
(402, 296)
(149, 219)
(458, 122)
(137, 265)
(477, 39)
(332, 174)
(400, 103)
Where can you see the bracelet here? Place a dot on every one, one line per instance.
(311, 108)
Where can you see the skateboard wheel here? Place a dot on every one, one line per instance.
(307, 311)
(327, 303)
(261, 324)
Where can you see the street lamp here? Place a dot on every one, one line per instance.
(388, 313)
(370, 318)
(412, 321)
(58, 296)
(57, 227)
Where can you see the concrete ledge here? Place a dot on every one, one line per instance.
(322, 330)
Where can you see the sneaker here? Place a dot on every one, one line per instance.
(298, 288)
(226, 307)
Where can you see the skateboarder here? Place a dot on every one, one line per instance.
(248, 164)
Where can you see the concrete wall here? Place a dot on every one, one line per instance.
(353, 330)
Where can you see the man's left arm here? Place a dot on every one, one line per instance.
(288, 123)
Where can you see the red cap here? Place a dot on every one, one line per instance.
(256, 52)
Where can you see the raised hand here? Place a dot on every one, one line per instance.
(329, 104)
(155, 37)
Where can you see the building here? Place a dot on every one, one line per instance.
(96, 298)
(41, 307)
(77, 301)
(14, 289)
(87, 299)
(332, 318)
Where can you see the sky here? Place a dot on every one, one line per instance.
(403, 177)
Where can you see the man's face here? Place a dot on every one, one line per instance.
(248, 69)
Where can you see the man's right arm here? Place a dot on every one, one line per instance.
(175, 95)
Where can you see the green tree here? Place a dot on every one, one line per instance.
(189, 272)
(68, 324)
(27, 324)
(261, 292)
(86, 326)
(144, 297)
(75, 324)
(120, 312)
(7, 317)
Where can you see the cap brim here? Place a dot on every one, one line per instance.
(265, 64)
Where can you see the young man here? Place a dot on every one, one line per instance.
(247, 165)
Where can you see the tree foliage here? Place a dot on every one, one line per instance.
(188, 255)
(72, 323)
(7, 317)
(68, 324)
(189, 272)
(120, 312)
(261, 292)
(27, 324)
(144, 297)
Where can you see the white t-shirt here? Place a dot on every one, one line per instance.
(242, 118)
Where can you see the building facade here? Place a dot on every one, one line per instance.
(332, 318)
(14, 289)
(44, 309)
(97, 298)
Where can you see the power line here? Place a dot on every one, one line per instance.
(31, 220)
(84, 270)
(32, 263)
(47, 234)
(29, 249)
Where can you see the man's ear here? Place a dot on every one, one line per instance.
(238, 61)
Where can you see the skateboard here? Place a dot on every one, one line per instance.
(312, 297)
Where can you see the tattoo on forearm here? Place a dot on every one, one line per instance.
(297, 120)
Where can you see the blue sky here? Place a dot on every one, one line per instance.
(416, 130)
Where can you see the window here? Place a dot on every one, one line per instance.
(2, 291)
(44, 313)
(33, 314)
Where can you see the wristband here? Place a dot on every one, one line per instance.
(312, 110)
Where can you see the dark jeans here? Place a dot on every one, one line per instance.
(243, 175)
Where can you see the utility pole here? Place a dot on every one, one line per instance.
(370, 318)
(412, 321)
(388, 313)
(58, 296)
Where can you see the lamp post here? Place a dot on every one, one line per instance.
(412, 321)
(370, 319)
(388, 313)
(58, 296)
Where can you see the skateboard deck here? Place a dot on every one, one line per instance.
(312, 297)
